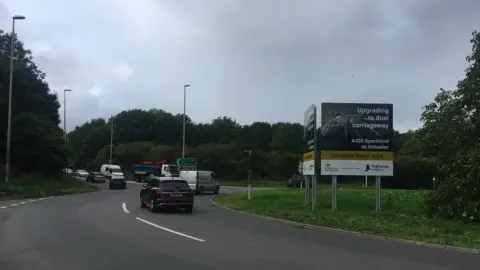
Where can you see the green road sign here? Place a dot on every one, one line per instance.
(187, 162)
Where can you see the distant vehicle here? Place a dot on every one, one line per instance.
(96, 177)
(296, 180)
(82, 174)
(142, 172)
(111, 170)
(115, 175)
(166, 192)
(67, 171)
(201, 181)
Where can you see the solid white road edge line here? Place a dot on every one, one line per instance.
(124, 207)
(13, 204)
(168, 230)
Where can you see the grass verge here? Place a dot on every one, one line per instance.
(255, 183)
(402, 214)
(33, 189)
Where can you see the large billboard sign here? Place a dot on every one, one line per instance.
(309, 139)
(356, 139)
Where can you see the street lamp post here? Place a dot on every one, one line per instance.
(249, 188)
(65, 113)
(9, 121)
(184, 113)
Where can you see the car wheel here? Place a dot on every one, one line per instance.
(200, 191)
(142, 204)
(110, 186)
(189, 209)
(153, 209)
(217, 189)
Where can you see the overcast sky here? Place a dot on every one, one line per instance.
(253, 60)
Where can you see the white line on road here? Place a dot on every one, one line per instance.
(3, 207)
(23, 202)
(13, 204)
(168, 230)
(124, 207)
(31, 200)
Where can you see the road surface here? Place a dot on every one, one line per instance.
(108, 230)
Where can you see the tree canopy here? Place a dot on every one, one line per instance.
(36, 144)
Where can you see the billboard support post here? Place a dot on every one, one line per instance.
(307, 189)
(334, 192)
(314, 192)
(377, 193)
(310, 154)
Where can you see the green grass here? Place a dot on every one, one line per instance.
(33, 189)
(402, 214)
(255, 183)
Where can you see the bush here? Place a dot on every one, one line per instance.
(458, 195)
(412, 173)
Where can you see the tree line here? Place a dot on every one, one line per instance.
(446, 147)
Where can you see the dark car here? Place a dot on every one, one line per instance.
(95, 177)
(296, 181)
(166, 192)
(117, 182)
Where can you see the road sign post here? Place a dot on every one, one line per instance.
(309, 154)
(356, 140)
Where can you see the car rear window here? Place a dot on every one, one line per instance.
(174, 184)
(98, 174)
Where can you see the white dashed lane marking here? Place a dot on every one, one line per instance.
(124, 207)
(25, 202)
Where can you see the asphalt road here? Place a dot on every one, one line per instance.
(108, 230)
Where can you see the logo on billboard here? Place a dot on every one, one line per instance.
(330, 168)
(376, 167)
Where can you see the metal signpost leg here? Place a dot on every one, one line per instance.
(334, 192)
(366, 180)
(314, 192)
(307, 189)
(377, 193)
(249, 184)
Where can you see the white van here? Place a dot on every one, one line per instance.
(201, 181)
(110, 170)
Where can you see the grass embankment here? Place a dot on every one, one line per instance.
(43, 188)
(402, 214)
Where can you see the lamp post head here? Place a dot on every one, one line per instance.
(186, 85)
(67, 90)
(19, 17)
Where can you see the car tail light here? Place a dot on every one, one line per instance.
(159, 191)
(189, 190)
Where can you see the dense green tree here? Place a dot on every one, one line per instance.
(37, 144)
(451, 130)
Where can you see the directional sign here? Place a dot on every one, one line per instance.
(187, 162)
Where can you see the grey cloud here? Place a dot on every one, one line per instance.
(254, 60)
